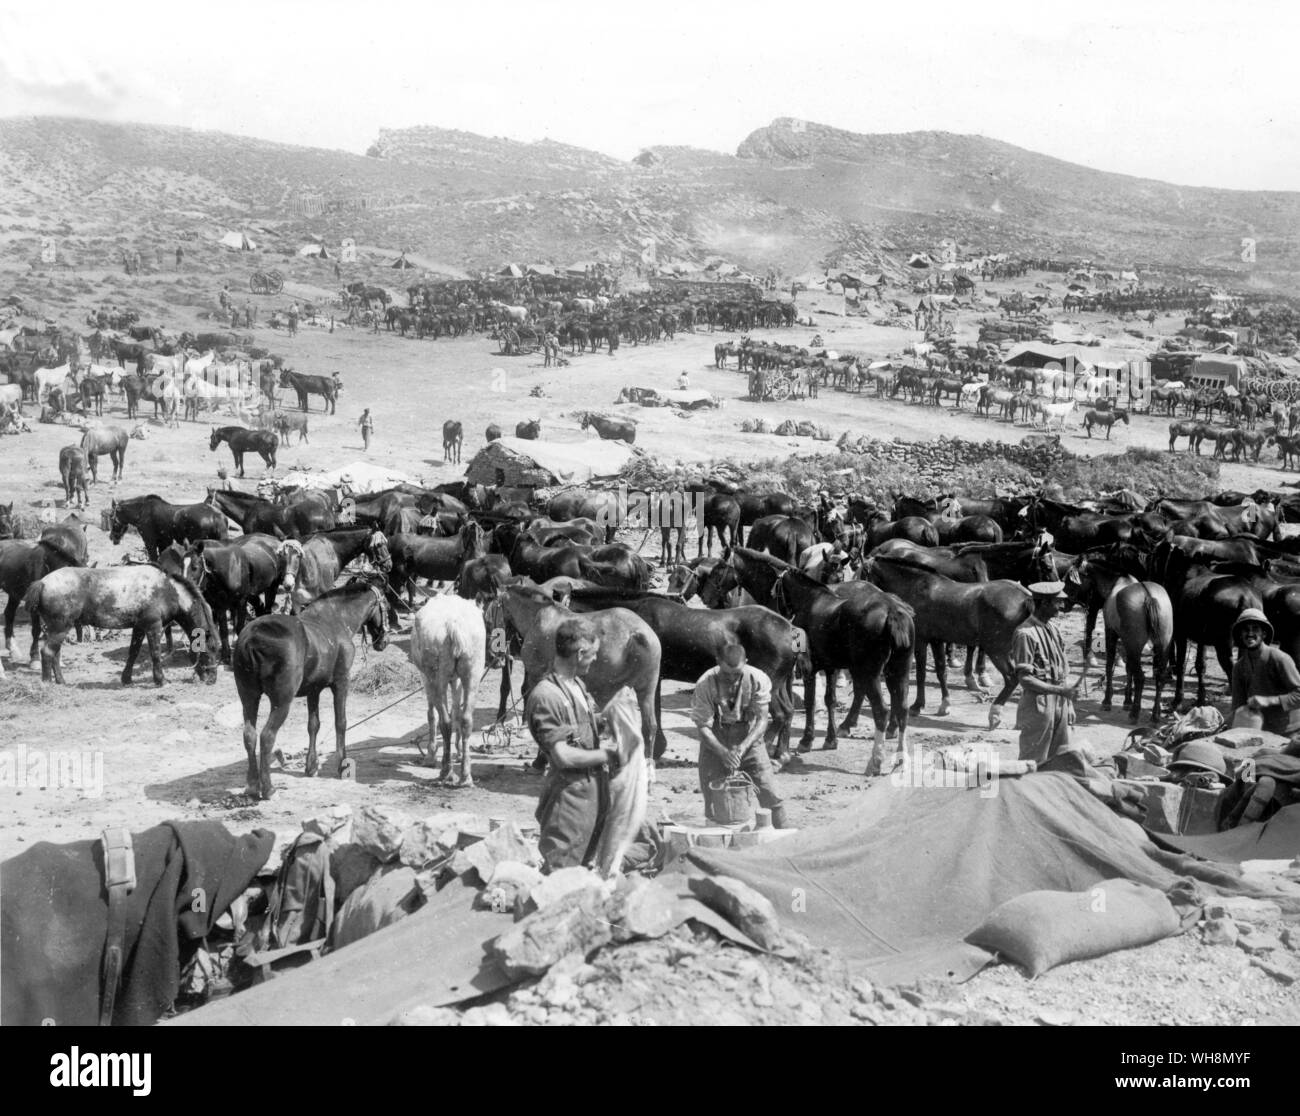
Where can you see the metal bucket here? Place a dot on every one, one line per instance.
(731, 801)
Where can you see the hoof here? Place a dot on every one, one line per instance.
(986, 683)
(891, 733)
(916, 710)
(1106, 707)
(831, 745)
(1090, 660)
(995, 716)
(971, 684)
(311, 767)
(465, 780)
(942, 711)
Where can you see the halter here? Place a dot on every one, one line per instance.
(780, 597)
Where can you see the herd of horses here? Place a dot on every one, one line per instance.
(877, 593)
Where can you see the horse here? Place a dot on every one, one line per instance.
(492, 433)
(857, 627)
(436, 559)
(784, 536)
(304, 386)
(689, 639)
(984, 615)
(721, 514)
(628, 651)
(1093, 575)
(240, 439)
(92, 390)
(160, 523)
(72, 469)
(1056, 413)
(142, 598)
(283, 657)
(449, 649)
(610, 429)
(913, 528)
(231, 575)
(1138, 612)
(530, 429)
(24, 562)
(255, 515)
(111, 440)
(312, 566)
(603, 507)
(1107, 419)
(452, 436)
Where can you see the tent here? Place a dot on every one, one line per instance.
(317, 250)
(918, 261)
(581, 267)
(363, 478)
(238, 241)
(897, 882)
(537, 464)
(511, 271)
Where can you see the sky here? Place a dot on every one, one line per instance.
(1190, 92)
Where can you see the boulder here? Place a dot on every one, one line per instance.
(334, 822)
(563, 882)
(575, 923)
(500, 846)
(646, 909)
(1219, 931)
(425, 843)
(1244, 909)
(379, 830)
(742, 906)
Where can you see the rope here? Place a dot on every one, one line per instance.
(418, 689)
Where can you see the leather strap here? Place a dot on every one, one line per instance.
(119, 882)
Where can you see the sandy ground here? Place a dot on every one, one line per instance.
(176, 751)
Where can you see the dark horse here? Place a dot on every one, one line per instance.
(161, 523)
(983, 615)
(142, 598)
(241, 440)
(304, 386)
(230, 575)
(285, 657)
(22, 564)
(868, 633)
(689, 639)
(255, 515)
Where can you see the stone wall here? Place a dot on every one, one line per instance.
(943, 459)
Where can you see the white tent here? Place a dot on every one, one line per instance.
(363, 478)
(238, 241)
(318, 250)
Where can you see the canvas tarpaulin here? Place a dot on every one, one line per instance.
(363, 478)
(567, 462)
(894, 885)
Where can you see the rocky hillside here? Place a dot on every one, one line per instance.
(794, 195)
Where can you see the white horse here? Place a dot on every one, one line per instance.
(47, 378)
(517, 314)
(449, 648)
(1056, 412)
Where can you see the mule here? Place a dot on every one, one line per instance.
(283, 657)
(142, 598)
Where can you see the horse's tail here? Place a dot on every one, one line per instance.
(32, 598)
(1160, 621)
(900, 630)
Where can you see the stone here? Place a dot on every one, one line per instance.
(562, 882)
(574, 923)
(1057, 1017)
(1279, 966)
(423, 845)
(379, 830)
(1219, 931)
(864, 990)
(644, 911)
(334, 822)
(1244, 909)
(501, 845)
(1250, 738)
(489, 1015)
(1258, 943)
(513, 872)
(750, 912)
(1291, 938)
(425, 1015)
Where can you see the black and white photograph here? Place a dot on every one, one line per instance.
(698, 514)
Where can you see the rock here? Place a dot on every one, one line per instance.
(508, 888)
(863, 989)
(192, 804)
(1291, 938)
(1219, 931)
(1244, 909)
(379, 830)
(647, 910)
(489, 1015)
(424, 845)
(500, 846)
(1258, 943)
(425, 1015)
(334, 822)
(1055, 1017)
(869, 1013)
(740, 904)
(1279, 966)
(574, 923)
(561, 883)
(351, 866)
(513, 872)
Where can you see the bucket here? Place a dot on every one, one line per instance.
(731, 801)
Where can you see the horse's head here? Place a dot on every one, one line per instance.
(375, 624)
(117, 523)
(719, 581)
(215, 440)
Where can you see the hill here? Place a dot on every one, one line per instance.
(794, 195)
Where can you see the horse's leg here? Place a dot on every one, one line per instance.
(464, 704)
(154, 635)
(261, 777)
(137, 638)
(1112, 644)
(1160, 669)
(441, 686)
(11, 613)
(1089, 628)
(313, 727)
(1180, 666)
(782, 709)
(941, 673)
(661, 742)
(832, 741)
(1010, 680)
(809, 707)
(1133, 657)
(918, 654)
(1200, 674)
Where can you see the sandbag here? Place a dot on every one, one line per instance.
(1042, 929)
(388, 897)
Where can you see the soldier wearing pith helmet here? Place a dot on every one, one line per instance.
(1046, 709)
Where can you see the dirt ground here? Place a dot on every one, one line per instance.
(177, 752)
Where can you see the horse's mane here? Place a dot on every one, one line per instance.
(621, 594)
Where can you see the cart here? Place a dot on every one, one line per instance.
(266, 282)
(773, 384)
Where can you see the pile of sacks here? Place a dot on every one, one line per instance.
(1033, 327)
(804, 429)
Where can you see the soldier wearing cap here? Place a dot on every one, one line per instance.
(1046, 709)
(1264, 678)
